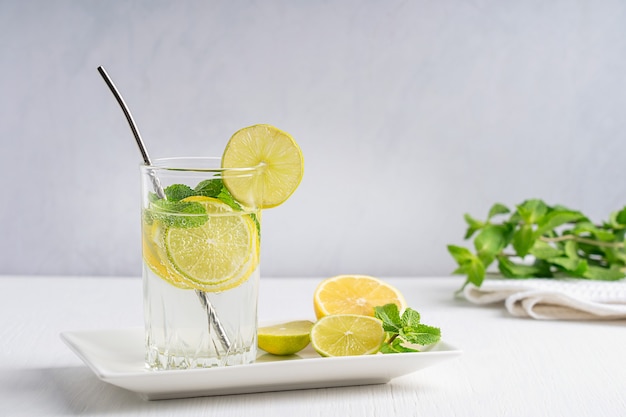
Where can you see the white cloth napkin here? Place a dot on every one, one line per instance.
(554, 299)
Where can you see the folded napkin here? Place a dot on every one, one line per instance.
(554, 299)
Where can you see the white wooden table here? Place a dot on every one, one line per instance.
(510, 366)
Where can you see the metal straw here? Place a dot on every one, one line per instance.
(203, 296)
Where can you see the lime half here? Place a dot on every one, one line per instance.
(285, 338)
(347, 335)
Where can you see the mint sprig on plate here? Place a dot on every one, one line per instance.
(404, 333)
(538, 240)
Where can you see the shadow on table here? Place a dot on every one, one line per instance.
(77, 391)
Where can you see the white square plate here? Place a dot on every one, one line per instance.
(117, 357)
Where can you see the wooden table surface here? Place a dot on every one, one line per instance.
(510, 366)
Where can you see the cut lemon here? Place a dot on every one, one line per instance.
(347, 335)
(155, 256)
(218, 255)
(354, 294)
(286, 338)
(275, 154)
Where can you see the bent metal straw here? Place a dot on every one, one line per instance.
(210, 311)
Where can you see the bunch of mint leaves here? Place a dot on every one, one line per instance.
(542, 241)
(174, 212)
(404, 333)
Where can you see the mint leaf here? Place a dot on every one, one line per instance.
(396, 347)
(209, 188)
(603, 274)
(620, 216)
(460, 254)
(469, 264)
(588, 228)
(227, 198)
(532, 211)
(544, 250)
(410, 318)
(475, 270)
(422, 335)
(523, 240)
(177, 192)
(490, 241)
(497, 209)
(473, 225)
(555, 219)
(404, 330)
(390, 316)
(572, 266)
(512, 270)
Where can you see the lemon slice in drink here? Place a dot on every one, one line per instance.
(347, 335)
(285, 338)
(278, 157)
(218, 255)
(354, 294)
(155, 256)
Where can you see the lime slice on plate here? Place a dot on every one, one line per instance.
(347, 335)
(285, 338)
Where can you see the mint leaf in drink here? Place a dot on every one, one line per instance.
(209, 188)
(215, 188)
(226, 197)
(177, 192)
(404, 333)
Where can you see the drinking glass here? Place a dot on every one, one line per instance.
(200, 250)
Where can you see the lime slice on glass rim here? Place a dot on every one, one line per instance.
(278, 157)
(218, 255)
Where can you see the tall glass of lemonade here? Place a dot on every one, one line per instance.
(201, 229)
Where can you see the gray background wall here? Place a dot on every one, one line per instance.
(409, 114)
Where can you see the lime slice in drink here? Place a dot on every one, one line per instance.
(275, 154)
(218, 255)
(347, 335)
(286, 338)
